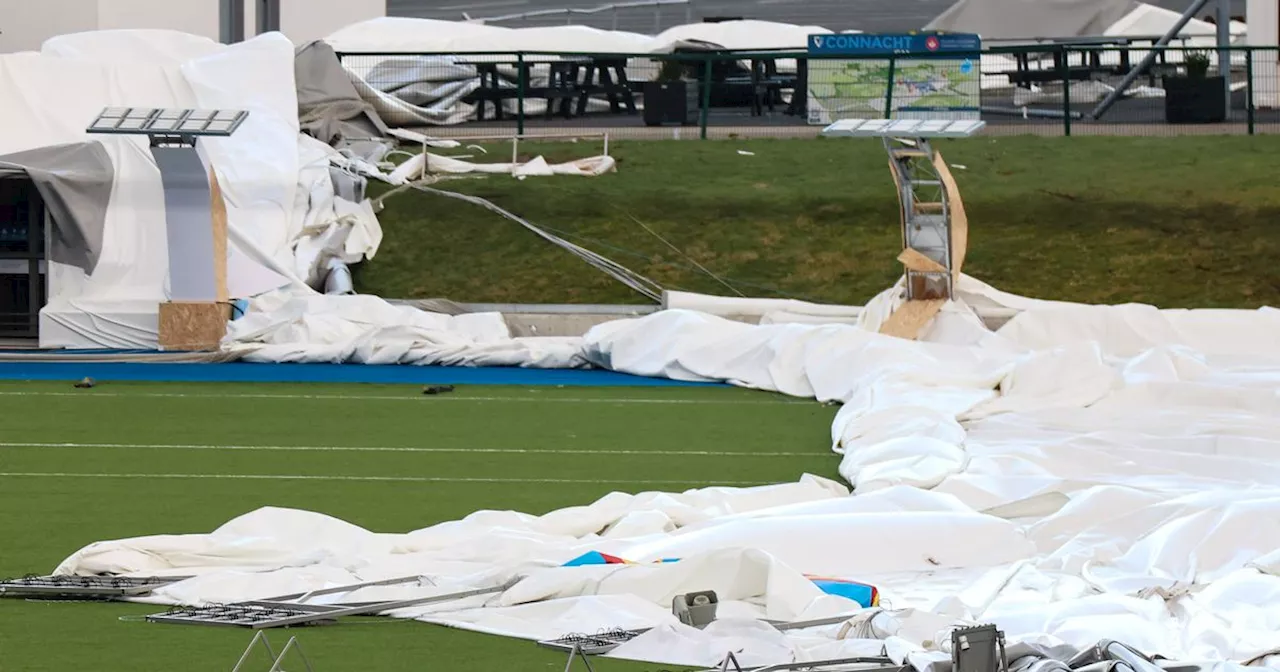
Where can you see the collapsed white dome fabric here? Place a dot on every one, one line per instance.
(1082, 473)
(390, 34)
(428, 36)
(431, 36)
(275, 181)
(742, 35)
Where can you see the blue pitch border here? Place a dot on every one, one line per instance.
(244, 372)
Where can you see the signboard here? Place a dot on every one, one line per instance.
(895, 76)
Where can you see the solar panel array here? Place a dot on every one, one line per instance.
(167, 121)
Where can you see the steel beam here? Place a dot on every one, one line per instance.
(1146, 62)
(231, 21)
(1224, 50)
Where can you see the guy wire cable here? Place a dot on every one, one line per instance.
(626, 276)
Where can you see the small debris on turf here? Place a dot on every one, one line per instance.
(437, 389)
(85, 384)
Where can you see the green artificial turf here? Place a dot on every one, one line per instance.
(1174, 221)
(531, 450)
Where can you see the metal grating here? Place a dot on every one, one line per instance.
(167, 121)
(592, 645)
(252, 616)
(80, 587)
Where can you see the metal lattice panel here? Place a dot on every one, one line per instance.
(924, 200)
(80, 587)
(606, 640)
(860, 664)
(167, 121)
(904, 128)
(926, 216)
(239, 615)
(591, 645)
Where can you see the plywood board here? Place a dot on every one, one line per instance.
(193, 325)
(219, 208)
(912, 316)
(959, 221)
(916, 261)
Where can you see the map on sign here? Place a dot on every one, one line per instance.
(894, 76)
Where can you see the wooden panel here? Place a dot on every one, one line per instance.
(193, 326)
(915, 261)
(959, 221)
(219, 207)
(912, 316)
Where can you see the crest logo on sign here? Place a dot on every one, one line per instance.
(817, 41)
(932, 43)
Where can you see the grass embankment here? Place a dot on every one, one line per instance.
(1188, 221)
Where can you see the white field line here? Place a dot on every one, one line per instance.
(410, 449)
(379, 479)
(418, 398)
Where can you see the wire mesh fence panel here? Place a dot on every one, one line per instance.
(1262, 93)
(1136, 90)
(1045, 89)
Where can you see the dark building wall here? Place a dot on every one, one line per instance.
(865, 15)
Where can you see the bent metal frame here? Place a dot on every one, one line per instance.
(292, 610)
(935, 229)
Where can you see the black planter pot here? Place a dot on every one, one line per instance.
(1197, 100)
(673, 102)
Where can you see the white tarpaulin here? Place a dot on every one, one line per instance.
(1026, 19)
(430, 36)
(745, 35)
(1083, 473)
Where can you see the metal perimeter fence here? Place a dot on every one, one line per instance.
(1042, 89)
